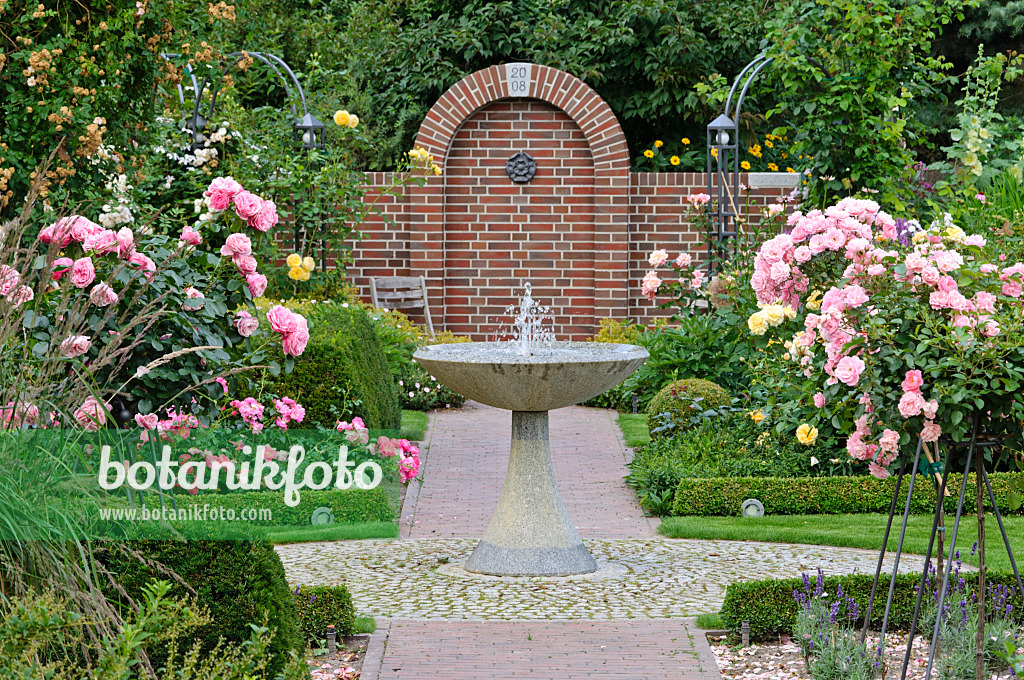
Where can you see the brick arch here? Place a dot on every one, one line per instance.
(558, 88)
(607, 187)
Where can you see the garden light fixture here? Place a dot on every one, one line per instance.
(309, 132)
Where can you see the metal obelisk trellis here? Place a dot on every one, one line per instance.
(981, 479)
(723, 158)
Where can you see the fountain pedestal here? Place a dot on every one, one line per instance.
(530, 533)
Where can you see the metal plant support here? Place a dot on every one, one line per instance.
(983, 483)
(309, 131)
(723, 158)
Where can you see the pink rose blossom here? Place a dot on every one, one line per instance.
(911, 404)
(221, 192)
(658, 258)
(265, 218)
(75, 346)
(190, 236)
(294, 343)
(257, 284)
(849, 370)
(931, 276)
(683, 261)
(246, 324)
(890, 441)
(282, 320)
(222, 382)
(125, 243)
(930, 408)
(855, 296)
(142, 262)
(20, 295)
(991, 329)
(147, 422)
(650, 284)
(92, 414)
(988, 268)
(60, 267)
(876, 270)
(819, 400)
(246, 264)
(236, 244)
(698, 199)
(81, 228)
(102, 295)
(100, 242)
(877, 470)
(247, 204)
(193, 294)
(913, 381)
(931, 432)
(82, 272)
(1012, 289)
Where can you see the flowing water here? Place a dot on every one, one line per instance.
(530, 328)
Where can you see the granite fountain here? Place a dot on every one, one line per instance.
(530, 533)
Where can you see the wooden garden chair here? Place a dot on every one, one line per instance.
(401, 292)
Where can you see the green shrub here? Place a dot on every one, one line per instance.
(682, 400)
(343, 372)
(400, 338)
(703, 346)
(770, 608)
(349, 505)
(238, 582)
(820, 495)
(321, 606)
(731, 445)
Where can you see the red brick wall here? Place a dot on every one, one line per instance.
(581, 231)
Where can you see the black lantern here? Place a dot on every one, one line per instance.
(723, 133)
(309, 132)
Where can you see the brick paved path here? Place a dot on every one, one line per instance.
(548, 650)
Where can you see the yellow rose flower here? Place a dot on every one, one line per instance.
(789, 312)
(648, 154)
(353, 121)
(757, 416)
(436, 168)
(919, 237)
(341, 118)
(813, 302)
(806, 435)
(758, 323)
(956, 234)
(774, 314)
(295, 273)
(745, 165)
(303, 275)
(674, 160)
(294, 260)
(658, 143)
(686, 140)
(308, 263)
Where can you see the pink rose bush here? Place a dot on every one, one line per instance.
(900, 339)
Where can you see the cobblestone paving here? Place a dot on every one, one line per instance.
(655, 578)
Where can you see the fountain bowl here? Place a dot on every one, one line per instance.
(549, 376)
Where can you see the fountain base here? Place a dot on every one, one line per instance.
(530, 533)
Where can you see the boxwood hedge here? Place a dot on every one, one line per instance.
(348, 505)
(770, 608)
(818, 495)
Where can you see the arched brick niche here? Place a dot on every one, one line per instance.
(479, 236)
(580, 231)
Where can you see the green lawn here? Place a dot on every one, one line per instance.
(414, 425)
(634, 429)
(332, 532)
(851, 531)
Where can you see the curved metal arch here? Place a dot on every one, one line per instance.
(724, 172)
(236, 58)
